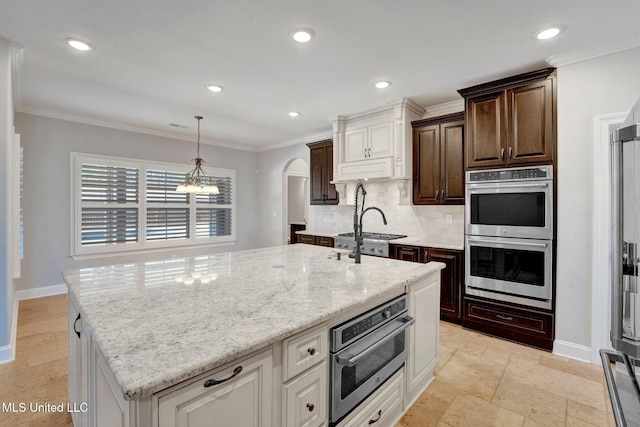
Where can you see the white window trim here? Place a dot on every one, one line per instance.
(78, 252)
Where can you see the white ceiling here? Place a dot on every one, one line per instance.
(153, 58)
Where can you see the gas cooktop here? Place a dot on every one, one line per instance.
(376, 236)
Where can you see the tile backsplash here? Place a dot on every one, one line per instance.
(442, 225)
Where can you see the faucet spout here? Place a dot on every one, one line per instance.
(384, 219)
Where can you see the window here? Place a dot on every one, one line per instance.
(122, 205)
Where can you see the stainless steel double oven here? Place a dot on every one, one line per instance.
(509, 235)
(365, 352)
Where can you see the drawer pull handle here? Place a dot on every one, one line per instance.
(74, 326)
(311, 351)
(500, 316)
(213, 382)
(372, 421)
(311, 407)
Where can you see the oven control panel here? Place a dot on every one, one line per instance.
(363, 324)
(514, 174)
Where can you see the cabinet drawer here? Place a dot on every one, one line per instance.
(518, 324)
(384, 409)
(306, 238)
(324, 241)
(305, 399)
(303, 351)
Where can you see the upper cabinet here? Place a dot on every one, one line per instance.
(375, 144)
(322, 191)
(438, 160)
(511, 121)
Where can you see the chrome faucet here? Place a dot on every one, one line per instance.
(357, 222)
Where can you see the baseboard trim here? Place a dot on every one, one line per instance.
(572, 350)
(45, 291)
(8, 352)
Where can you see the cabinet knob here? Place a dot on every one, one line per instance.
(311, 351)
(311, 407)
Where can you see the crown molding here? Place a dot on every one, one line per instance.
(128, 128)
(306, 140)
(17, 58)
(444, 108)
(568, 58)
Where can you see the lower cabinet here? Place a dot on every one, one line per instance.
(424, 336)
(305, 399)
(77, 366)
(523, 325)
(451, 286)
(239, 395)
(315, 240)
(384, 409)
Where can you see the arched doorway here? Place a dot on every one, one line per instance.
(295, 198)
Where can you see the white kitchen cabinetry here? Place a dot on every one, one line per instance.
(424, 307)
(239, 395)
(77, 369)
(375, 144)
(370, 142)
(305, 376)
(384, 408)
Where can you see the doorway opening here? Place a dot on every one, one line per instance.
(295, 199)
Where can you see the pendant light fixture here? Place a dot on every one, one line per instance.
(199, 181)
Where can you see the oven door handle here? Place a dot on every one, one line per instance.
(509, 185)
(405, 321)
(518, 243)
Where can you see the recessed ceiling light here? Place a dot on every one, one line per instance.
(215, 88)
(547, 33)
(383, 85)
(302, 36)
(294, 113)
(79, 45)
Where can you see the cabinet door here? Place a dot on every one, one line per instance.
(355, 145)
(450, 282)
(380, 142)
(243, 400)
(531, 129)
(424, 300)
(405, 253)
(306, 238)
(316, 176)
(426, 165)
(305, 399)
(77, 365)
(331, 195)
(486, 130)
(324, 241)
(452, 163)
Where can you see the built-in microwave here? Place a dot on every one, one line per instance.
(510, 269)
(516, 202)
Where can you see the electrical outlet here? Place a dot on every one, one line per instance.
(449, 219)
(275, 213)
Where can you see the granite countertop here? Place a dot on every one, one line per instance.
(161, 322)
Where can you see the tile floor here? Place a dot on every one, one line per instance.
(480, 380)
(485, 381)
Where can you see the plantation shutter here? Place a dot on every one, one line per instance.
(106, 192)
(214, 211)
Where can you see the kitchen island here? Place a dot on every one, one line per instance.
(141, 334)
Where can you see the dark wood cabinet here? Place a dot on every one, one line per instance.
(322, 192)
(450, 277)
(438, 160)
(450, 281)
(405, 253)
(511, 121)
(315, 240)
(293, 237)
(523, 325)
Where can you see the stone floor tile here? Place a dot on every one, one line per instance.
(546, 408)
(468, 410)
(472, 374)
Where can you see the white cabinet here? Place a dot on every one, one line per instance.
(370, 142)
(305, 399)
(305, 375)
(384, 408)
(238, 395)
(424, 307)
(77, 366)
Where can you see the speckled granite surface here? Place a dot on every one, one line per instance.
(161, 322)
